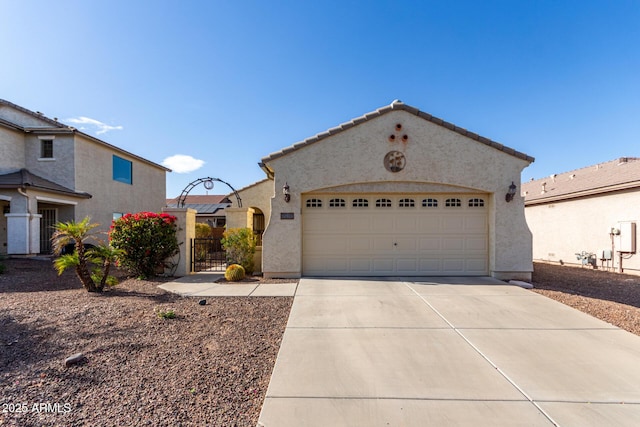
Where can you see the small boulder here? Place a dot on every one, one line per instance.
(74, 360)
(202, 302)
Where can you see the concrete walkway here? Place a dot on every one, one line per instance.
(204, 285)
(448, 352)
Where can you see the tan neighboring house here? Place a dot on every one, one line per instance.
(594, 210)
(52, 172)
(396, 192)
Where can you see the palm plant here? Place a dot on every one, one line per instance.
(104, 256)
(75, 233)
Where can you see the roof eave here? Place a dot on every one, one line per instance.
(395, 105)
(583, 193)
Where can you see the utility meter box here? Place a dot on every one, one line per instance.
(625, 241)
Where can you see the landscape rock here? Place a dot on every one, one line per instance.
(74, 360)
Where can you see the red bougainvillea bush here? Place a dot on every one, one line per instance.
(148, 240)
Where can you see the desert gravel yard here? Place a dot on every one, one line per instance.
(612, 297)
(208, 366)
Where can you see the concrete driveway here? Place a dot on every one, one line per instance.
(448, 352)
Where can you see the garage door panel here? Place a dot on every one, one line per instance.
(324, 244)
(478, 266)
(453, 243)
(360, 265)
(362, 244)
(430, 243)
(477, 224)
(429, 223)
(452, 224)
(476, 243)
(360, 224)
(431, 264)
(392, 240)
(383, 244)
(406, 224)
(406, 244)
(383, 265)
(453, 266)
(406, 265)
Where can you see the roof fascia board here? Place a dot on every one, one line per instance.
(120, 150)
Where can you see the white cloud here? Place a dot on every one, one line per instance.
(94, 124)
(181, 163)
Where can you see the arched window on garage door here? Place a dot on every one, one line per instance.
(314, 203)
(430, 203)
(453, 203)
(337, 203)
(476, 203)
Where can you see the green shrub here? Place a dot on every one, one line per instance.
(147, 239)
(240, 244)
(99, 257)
(234, 273)
(166, 314)
(203, 230)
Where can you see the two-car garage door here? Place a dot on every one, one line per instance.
(410, 235)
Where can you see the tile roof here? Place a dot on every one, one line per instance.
(204, 204)
(39, 115)
(24, 179)
(396, 105)
(202, 198)
(618, 174)
(57, 127)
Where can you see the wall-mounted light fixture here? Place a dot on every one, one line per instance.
(285, 191)
(511, 193)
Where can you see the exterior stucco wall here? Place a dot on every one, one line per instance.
(12, 149)
(434, 156)
(94, 175)
(258, 196)
(60, 168)
(21, 118)
(562, 229)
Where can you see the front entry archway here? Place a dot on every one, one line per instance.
(208, 184)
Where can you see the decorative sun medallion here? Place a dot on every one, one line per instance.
(394, 161)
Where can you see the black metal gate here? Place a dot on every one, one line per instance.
(207, 254)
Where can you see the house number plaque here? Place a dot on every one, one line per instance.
(287, 215)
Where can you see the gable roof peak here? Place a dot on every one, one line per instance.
(395, 105)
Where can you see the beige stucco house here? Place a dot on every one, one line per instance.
(51, 172)
(592, 210)
(396, 192)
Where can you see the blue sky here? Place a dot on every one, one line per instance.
(228, 82)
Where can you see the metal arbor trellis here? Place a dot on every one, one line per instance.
(208, 184)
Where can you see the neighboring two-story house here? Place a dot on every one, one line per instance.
(51, 172)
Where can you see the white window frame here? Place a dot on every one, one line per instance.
(43, 139)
